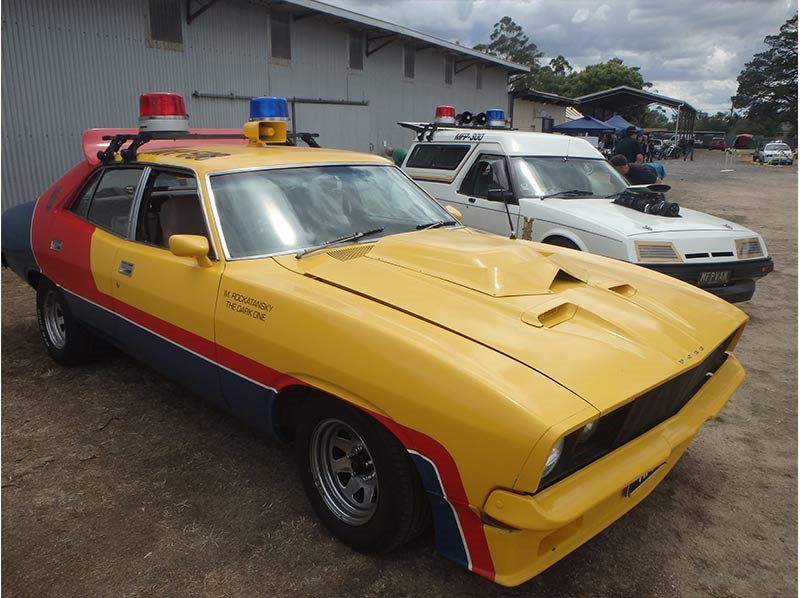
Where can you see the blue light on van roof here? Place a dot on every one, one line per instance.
(496, 118)
(269, 108)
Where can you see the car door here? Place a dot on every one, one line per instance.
(488, 171)
(167, 302)
(83, 241)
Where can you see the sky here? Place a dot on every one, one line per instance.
(691, 50)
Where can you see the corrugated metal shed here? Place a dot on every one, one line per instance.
(70, 66)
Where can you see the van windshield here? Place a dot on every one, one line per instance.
(540, 176)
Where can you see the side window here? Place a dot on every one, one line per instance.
(110, 207)
(165, 25)
(280, 33)
(409, 59)
(81, 203)
(449, 68)
(170, 206)
(356, 50)
(488, 172)
(441, 157)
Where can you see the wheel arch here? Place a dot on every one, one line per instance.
(554, 237)
(289, 403)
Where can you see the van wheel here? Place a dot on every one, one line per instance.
(561, 242)
(359, 479)
(67, 342)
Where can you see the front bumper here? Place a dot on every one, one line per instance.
(741, 284)
(535, 531)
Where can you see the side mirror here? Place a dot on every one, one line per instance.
(194, 246)
(453, 212)
(501, 195)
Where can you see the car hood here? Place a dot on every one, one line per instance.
(607, 332)
(629, 222)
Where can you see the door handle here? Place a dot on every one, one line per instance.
(55, 245)
(471, 200)
(126, 268)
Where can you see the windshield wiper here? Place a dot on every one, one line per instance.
(570, 192)
(436, 224)
(337, 241)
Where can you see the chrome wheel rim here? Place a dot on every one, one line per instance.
(344, 472)
(53, 317)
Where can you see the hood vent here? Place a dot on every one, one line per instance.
(350, 253)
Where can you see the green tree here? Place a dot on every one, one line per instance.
(509, 42)
(653, 118)
(606, 75)
(561, 66)
(767, 91)
(721, 121)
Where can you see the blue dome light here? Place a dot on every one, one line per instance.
(496, 118)
(269, 108)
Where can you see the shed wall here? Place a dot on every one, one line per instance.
(70, 66)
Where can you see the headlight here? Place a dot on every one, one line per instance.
(553, 457)
(746, 248)
(656, 251)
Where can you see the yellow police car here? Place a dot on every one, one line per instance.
(520, 396)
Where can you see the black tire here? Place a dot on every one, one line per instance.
(399, 510)
(561, 242)
(67, 342)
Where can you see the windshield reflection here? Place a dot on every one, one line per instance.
(265, 212)
(540, 176)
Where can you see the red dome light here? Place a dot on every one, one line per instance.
(445, 115)
(161, 104)
(162, 112)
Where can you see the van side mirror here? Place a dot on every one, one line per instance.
(503, 195)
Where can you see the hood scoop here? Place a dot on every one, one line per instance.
(485, 263)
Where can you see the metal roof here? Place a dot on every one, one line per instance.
(543, 97)
(386, 29)
(623, 95)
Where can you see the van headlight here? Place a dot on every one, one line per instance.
(553, 457)
(656, 251)
(746, 248)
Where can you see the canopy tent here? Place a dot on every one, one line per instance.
(587, 124)
(619, 124)
(742, 141)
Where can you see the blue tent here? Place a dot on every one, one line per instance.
(587, 124)
(620, 124)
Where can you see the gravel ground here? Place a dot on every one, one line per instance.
(115, 482)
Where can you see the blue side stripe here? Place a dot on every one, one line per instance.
(448, 533)
(245, 399)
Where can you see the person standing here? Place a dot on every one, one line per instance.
(629, 147)
(688, 149)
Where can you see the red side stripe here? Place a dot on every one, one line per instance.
(471, 525)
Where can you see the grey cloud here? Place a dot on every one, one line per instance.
(697, 46)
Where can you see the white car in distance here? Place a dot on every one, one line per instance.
(560, 190)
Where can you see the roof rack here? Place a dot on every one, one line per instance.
(430, 128)
(139, 139)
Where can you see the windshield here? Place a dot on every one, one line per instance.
(536, 177)
(264, 212)
(776, 146)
